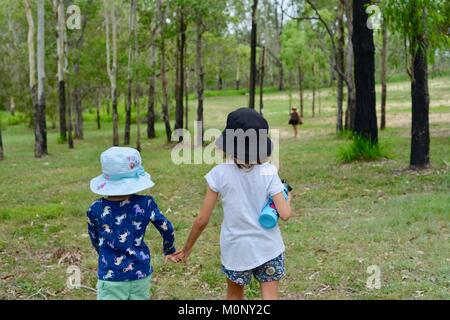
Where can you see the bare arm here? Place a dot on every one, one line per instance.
(283, 206)
(199, 224)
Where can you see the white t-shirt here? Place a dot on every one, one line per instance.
(244, 243)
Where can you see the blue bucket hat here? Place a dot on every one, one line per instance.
(122, 173)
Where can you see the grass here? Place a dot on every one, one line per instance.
(361, 149)
(347, 217)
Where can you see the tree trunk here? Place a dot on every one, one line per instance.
(313, 106)
(165, 96)
(186, 101)
(69, 117)
(420, 130)
(238, 76)
(290, 89)
(138, 118)
(1, 145)
(152, 83)
(300, 88)
(252, 85)
(41, 147)
(340, 63)
(179, 88)
(200, 76)
(365, 116)
(61, 59)
(98, 110)
(112, 71)
(32, 74)
(383, 76)
(79, 133)
(351, 98)
(261, 82)
(131, 33)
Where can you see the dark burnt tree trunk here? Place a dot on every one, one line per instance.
(300, 88)
(252, 84)
(364, 49)
(61, 58)
(383, 76)
(261, 82)
(62, 110)
(200, 76)
(420, 129)
(179, 84)
(78, 104)
(69, 117)
(340, 63)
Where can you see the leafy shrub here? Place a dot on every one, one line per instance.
(361, 149)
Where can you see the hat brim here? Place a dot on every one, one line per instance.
(221, 143)
(104, 187)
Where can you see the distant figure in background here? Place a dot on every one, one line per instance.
(295, 120)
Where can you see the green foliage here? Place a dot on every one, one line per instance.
(361, 149)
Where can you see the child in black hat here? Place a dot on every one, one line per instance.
(245, 182)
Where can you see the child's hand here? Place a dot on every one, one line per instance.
(181, 256)
(170, 257)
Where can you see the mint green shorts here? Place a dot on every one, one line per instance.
(124, 290)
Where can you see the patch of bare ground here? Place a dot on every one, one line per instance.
(404, 119)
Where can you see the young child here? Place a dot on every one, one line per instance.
(117, 224)
(244, 183)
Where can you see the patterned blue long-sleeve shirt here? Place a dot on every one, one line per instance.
(116, 230)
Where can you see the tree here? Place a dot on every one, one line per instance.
(383, 74)
(340, 63)
(1, 145)
(252, 77)
(423, 24)
(152, 79)
(180, 64)
(349, 56)
(41, 145)
(131, 35)
(61, 24)
(110, 14)
(261, 80)
(364, 49)
(162, 54)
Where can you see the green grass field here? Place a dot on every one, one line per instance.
(347, 217)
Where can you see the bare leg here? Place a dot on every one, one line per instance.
(295, 130)
(269, 290)
(234, 291)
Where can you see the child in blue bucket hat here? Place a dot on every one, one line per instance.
(117, 223)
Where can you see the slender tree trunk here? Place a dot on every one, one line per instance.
(98, 110)
(165, 102)
(61, 59)
(42, 127)
(261, 82)
(383, 76)
(340, 63)
(290, 89)
(69, 117)
(2, 156)
(186, 101)
(420, 129)
(110, 12)
(152, 82)
(252, 87)
(365, 116)
(12, 106)
(179, 88)
(138, 118)
(200, 76)
(313, 106)
(131, 33)
(351, 97)
(32, 73)
(300, 88)
(238, 76)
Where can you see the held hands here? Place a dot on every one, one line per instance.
(179, 256)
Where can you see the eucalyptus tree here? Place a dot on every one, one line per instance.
(423, 24)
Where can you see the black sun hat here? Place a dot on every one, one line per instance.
(245, 136)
